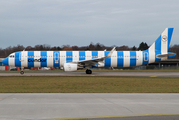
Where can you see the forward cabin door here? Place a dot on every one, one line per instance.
(23, 59)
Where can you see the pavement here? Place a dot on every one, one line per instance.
(92, 106)
(137, 74)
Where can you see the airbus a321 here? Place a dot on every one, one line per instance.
(74, 60)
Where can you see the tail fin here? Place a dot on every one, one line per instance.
(163, 42)
(159, 49)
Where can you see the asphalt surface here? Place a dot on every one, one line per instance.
(139, 74)
(95, 106)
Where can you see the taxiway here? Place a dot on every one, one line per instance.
(138, 74)
(75, 105)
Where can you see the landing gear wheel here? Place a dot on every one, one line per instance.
(88, 71)
(22, 72)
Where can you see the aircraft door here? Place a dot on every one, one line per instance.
(146, 56)
(21, 56)
(56, 57)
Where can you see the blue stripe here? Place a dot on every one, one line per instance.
(145, 57)
(94, 54)
(120, 60)
(158, 44)
(56, 58)
(17, 59)
(6, 61)
(156, 53)
(170, 31)
(171, 55)
(30, 58)
(81, 55)
(132, 58)
(69, 55)
(157, 48)
(44, 58)
(107, 60)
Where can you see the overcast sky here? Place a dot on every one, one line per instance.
(80, 22)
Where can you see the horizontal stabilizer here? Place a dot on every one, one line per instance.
(164, 55)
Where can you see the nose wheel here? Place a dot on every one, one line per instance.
(22, 72)
(88, 71)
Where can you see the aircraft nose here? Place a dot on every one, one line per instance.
(5, 61)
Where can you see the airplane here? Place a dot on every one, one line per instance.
(74, 60)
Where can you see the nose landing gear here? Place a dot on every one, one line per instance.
(22, 72)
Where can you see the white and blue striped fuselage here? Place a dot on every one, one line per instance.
(58, 58)
(72, 60)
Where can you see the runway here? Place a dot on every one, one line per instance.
(138, 74)
(88, 105)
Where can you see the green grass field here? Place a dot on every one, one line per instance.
(46, 84)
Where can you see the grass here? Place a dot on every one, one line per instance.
(54, 84)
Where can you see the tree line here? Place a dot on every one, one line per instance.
(142, 46)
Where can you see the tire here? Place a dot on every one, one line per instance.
(22, 72)
(88, 71)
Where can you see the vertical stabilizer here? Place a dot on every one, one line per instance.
(160, 46)
(163, 42)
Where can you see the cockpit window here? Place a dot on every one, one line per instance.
(11, 56)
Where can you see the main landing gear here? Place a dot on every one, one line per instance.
(88, 71)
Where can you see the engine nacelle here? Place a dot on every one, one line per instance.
(69, 67)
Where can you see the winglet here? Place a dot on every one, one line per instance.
(111, 52)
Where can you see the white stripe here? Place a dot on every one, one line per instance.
(50, 59)
(24, 59)
(88, 55)
(114, 59)
(139, 58)
(12, 60)
(126, 58)
(62, 58)
(75, 56)
(152, 53)
(101, 54)
(37, 56)
(164, 44)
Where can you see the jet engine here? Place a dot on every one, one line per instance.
(69, 67)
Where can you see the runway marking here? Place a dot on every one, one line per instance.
(120, 116)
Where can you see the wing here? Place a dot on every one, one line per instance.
(93, 62)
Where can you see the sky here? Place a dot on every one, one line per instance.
(80, 22)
